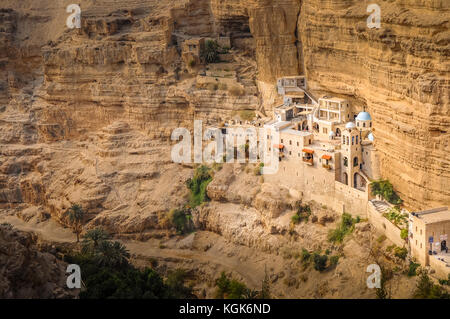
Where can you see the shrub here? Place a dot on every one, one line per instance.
(197, 185)
(302, 214)
(445, 281)
(426, 289)
(334, 261)
(210, 52)
(232, 289)
(381, 239)
(305, 255)
(412, 268)
(401, 252)
(346, 226)
(295, 219)
(396, 216)
(385, 189)
(404, 234)
(320, 262)
(181, 219)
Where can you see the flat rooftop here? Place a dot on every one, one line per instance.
(296, 132)
(434, 215)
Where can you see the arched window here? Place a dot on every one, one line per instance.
(348, 141)
(356, 139)
(353, 140)
(345, 161)
(364, 124)
(355, 161)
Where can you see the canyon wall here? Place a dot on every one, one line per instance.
(124, 66)
(400, 72)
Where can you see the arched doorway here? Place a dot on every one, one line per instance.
(355, 180)
(345, 179)
(338, 132)
(316, 127)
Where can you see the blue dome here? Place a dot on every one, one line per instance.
(370, 137)
(364, 116)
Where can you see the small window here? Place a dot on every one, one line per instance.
(281, 141)
(290, 142)
(298, 144)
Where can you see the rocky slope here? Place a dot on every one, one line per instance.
(25, 272)
(86, 114)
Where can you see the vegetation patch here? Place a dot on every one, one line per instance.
(108, 274)
(385, 189)
(233, 289)
(395, 216)
(401, 252)
(197, 185)
(210, 53)
(181, 219)
(412, 269)
(426, 289)
(346, 226)
(302, 214)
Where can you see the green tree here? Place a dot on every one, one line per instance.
(92, 239)
(426, 289)
(76, 217)
(210, 52)
(112, 254)
(385, 189)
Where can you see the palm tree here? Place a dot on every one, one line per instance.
(93, 238)
(211, 52)
(76, 217)
(112, 254)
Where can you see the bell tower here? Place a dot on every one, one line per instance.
(351, 155)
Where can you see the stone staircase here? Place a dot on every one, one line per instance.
(381, 206)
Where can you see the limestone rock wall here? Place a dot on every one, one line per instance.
(125, 64)
(401, 72)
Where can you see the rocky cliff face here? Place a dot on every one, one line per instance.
(401, 72)
(25, 272)
(81, 108)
